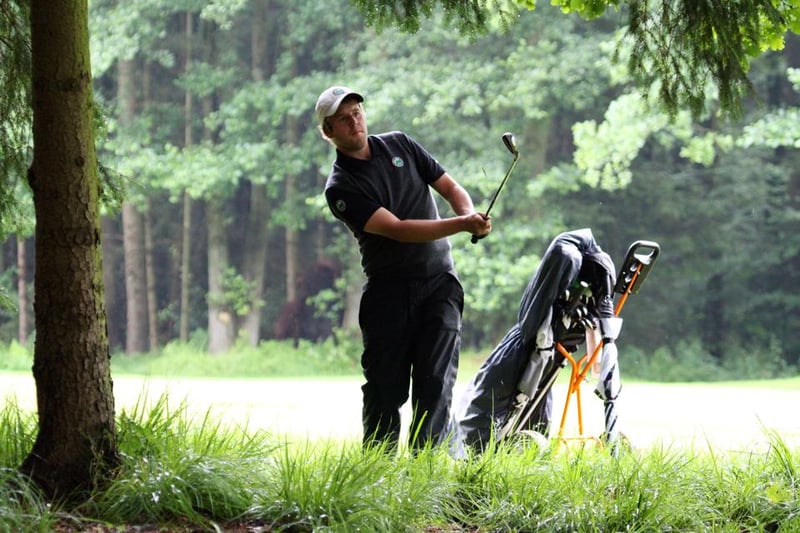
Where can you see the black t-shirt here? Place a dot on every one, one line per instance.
(396, 177)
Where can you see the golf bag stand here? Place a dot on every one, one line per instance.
(600, 356)
(568, 301)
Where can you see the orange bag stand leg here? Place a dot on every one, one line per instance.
(578, 370)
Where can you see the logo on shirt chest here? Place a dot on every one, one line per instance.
(398, 161)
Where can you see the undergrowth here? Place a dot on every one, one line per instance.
(184, 474)
(340, 356)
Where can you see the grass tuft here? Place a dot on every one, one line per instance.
(180, 473)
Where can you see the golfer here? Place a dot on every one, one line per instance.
(410, 314)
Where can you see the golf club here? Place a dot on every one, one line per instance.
(511, 144)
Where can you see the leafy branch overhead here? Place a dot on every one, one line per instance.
(680, 49)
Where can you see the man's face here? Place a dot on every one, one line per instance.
(347, 128)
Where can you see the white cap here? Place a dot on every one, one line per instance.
(330, 100)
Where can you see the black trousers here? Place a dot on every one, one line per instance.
(411, 331)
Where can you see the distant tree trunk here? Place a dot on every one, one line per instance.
(186, 240)
(76, 440)
(255, 258)
(150, 275)
(136, 340)
(22, 290)
(352, 303)
(714, 328)
(220, 318)
(186, 266)
(257, 233)
(292, 233)
(149, 247)
(112, 266)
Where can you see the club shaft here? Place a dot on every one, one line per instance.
(502, 184)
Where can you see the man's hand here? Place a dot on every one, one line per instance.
(480, 226)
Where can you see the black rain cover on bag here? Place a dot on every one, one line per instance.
(517, 362)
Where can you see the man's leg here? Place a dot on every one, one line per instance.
(435, 353)
(383, 317)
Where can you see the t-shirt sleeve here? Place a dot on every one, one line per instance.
(429, 168)
(353, 209)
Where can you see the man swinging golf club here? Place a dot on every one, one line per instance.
(410, 314)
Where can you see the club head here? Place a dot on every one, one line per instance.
(510, 142)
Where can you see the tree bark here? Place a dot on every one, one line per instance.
(149, 246)
(255, 250)
(255, 259)
(22, 290)
(150, 275)
(136, 340)
(186, 240)
(113, 264)
(221, 331)
(292, 234)
(76, 440)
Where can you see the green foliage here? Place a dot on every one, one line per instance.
(689, 361)
(176, 468)
(22, 508)
(182, 474)
(336, 356)
(723, 219)
(237, 293)
(714, 196)
(678, 48)
(16, 357)
(17, 435)
(780, 128)
(470, 17)
(605, 152)
(15, 115)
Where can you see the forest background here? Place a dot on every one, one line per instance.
(223, 236)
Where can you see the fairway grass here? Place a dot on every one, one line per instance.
(720, 416)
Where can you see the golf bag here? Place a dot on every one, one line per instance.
(568, 301)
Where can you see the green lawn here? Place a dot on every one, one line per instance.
(732, 416)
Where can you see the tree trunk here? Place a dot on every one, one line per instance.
(112, 286)
(220, 317)
(76, 440)
(292, 233)
(149, 247)
(22, 290)
(352, 304)
(150, 275)
(186, 266)
(186, 240)
(136, 340)
(255, 258)
(255, 250)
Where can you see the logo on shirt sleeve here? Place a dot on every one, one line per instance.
(398, 161)
(340, 205)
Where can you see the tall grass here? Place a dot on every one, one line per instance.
(184, 474)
